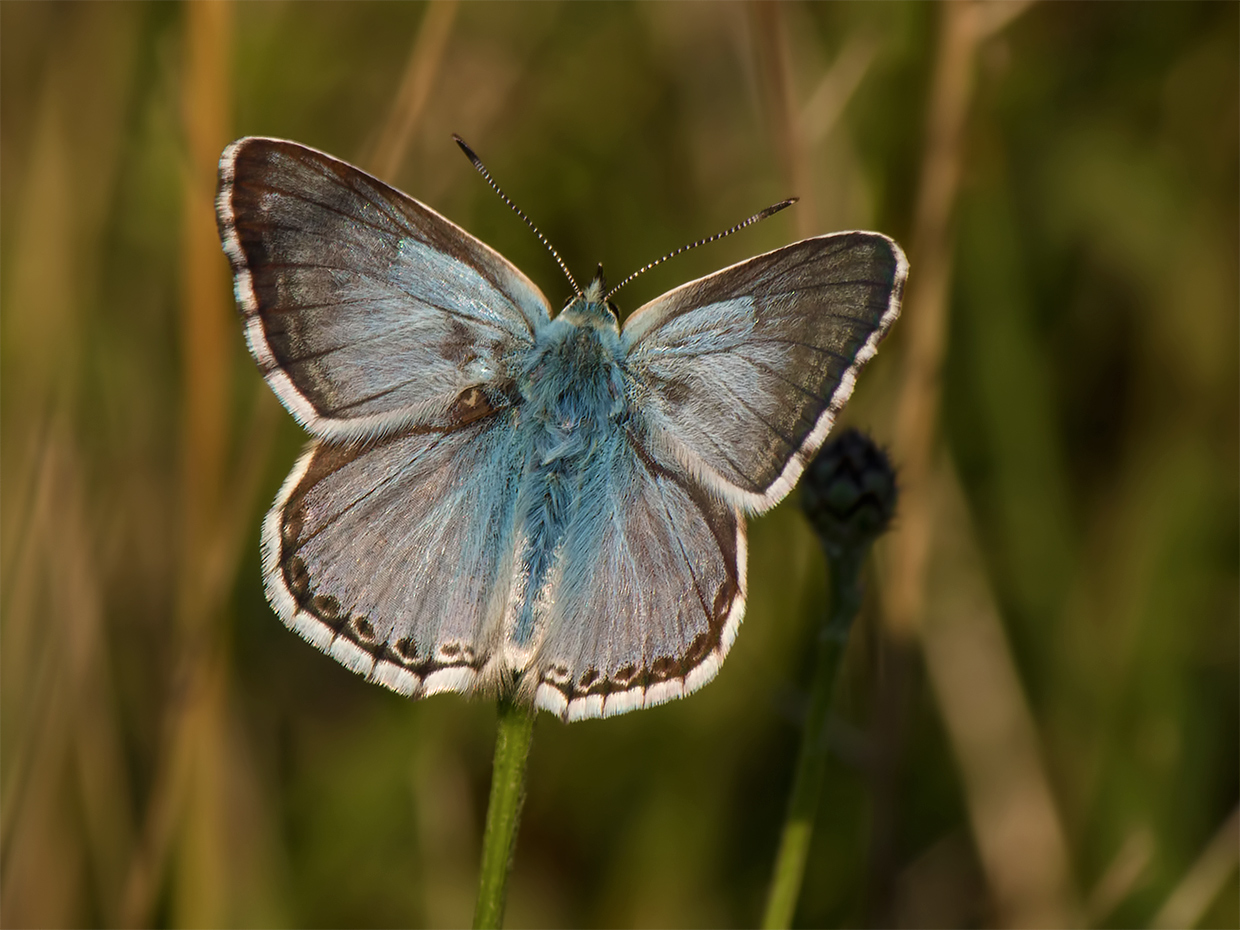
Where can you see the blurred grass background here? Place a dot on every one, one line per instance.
(1040, 716)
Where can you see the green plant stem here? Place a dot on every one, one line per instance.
(514, 730)
(789, 870)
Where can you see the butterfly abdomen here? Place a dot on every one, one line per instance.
(573, 403)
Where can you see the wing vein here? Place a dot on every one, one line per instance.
(323, 353)
(335, 518)
(680, 545)
(398, 293)
(301, 198)
(760, 418)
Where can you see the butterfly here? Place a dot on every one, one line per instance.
(497, 496)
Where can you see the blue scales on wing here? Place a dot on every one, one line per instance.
(395, 555)
(741, 373)
(366, 310)
(651, 592)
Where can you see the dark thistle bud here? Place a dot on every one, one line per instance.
(849, 494)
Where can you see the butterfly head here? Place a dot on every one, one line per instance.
(591, 307)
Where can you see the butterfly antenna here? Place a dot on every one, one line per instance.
(769, 211)
(482, 170)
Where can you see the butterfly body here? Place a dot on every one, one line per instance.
(573, 407)
(500, 497)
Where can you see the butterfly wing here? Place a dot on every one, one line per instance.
(366, 310)
(738, 376)
(650, 593)
(394, 556)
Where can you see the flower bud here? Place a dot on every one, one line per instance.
(849, 493)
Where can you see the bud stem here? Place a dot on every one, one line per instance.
(789, 870)
(513, 733)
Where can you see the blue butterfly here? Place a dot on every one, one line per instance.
(496, 497)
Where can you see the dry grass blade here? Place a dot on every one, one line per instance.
(826, 104)
(425, 59)
(1203, 882)
(925, 318)
(1012, 809)
(969, 664)
(923, 332)
(66, 823)
(774, 68)
(18, 613)
(1122, 876)
(207, 330)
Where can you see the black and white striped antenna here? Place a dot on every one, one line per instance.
(761, 215)
(477, 163)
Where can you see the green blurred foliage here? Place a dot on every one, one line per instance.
(1090, 407)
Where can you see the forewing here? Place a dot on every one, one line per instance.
(366, 310)
(395, 556)
(651, 592)
(737, 377)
